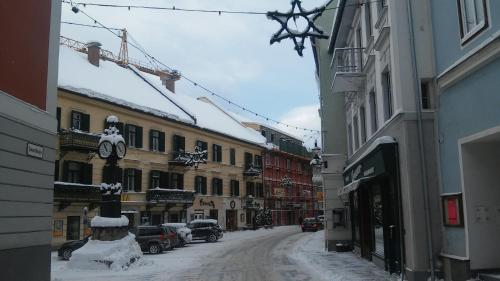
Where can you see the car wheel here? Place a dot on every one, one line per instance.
(154, 248)
(212, 238)
(67, 254)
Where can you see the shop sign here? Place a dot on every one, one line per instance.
(58, 228)
(279, 192)
(34, 150)
(210, 203)
(356, 172)
(252, 204)
(369, 171)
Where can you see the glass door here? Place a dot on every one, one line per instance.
(73, 228)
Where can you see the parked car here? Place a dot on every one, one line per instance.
(152, 239)
(173, 236)
(207, 230)
(183, 232)
(311, 224)
(67, 248)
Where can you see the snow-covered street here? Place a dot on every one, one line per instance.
(282, 253)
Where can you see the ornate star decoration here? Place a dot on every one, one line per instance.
(286, 32)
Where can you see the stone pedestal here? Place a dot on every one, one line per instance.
(109, 233)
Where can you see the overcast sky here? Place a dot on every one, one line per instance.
(229, 54)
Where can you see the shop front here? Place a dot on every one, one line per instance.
(371, 192)
(232, 207)
(207, 207)
(251, 206)
(166, 205)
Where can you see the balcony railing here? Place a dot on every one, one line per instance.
(252, 171)
(159, 195)
(77, 140)
(347, 69)
(348, 60)
(76, 193)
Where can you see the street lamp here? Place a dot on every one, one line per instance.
(316, 161)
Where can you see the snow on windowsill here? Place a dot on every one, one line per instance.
(75, 184)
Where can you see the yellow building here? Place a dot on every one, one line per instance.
(157, 125)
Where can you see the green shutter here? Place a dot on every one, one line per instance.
(162, 142)
(127, 126)
(204, 186)
(138, 137)
(58, 116)
(151, 132)
(163, 180)
(85, 123)
(86, 173)
(138, 180)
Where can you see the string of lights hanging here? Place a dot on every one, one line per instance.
(193, 82)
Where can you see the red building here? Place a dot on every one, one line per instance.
(288, 184)
(287, 176)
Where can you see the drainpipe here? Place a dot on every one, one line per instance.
(418, 102)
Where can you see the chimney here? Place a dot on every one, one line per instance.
(94, 52)
(168, 79)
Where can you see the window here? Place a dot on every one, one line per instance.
(277, 162)
(288, 164)
(156, 141)
(299, 167)
(259, 190)
(217, 186)
(235, 188)
(263, 133)
(217, 153)
(380, 5)
(349, 140)
(356, 132)
(155, 179)
(133, 136)
(178, 145)
(158, 179)
(473, 18)
(258, 161)
(426, 95)
(362, 119)
(73, 228)
(368, 19)
(200, 185)
(77, 172)
(373, 112)
(268, 159)
(250, 189)
(176, 181)
(387, 88)
(202, 145)
(272, 137)
(132, 180)
(80, 121)
(248, 160)
(232, 156)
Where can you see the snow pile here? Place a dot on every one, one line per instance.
(112, 119)
(114, 255)
(98, 221)
(108, 189)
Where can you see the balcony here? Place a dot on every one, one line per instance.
(171, 196)
(251, 171)
(347, 68)
(66, 193)
(78, 140)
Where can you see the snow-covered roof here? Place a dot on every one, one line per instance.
(145, 92)
(244, 119)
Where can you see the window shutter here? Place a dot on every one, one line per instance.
(214, 152)
(125, 179)
(214, 191)
(237, 188)
(162, 142)
(163, 179)
(65, 171)
(138, 137)
(58, 115)
(181, 181)
(85, 126)
(138, 180)
(120, 126)
(220, 186)
(182, 143)
(219, 153)
(151, 140)
(127, 126)
(86, 173)
(151, 179)
(232, 156)
(56, 171)
(71, 124)
(204, 185)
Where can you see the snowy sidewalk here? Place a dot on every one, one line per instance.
(331, 266)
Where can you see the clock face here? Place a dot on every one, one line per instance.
(121, 149)
(105, 149)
